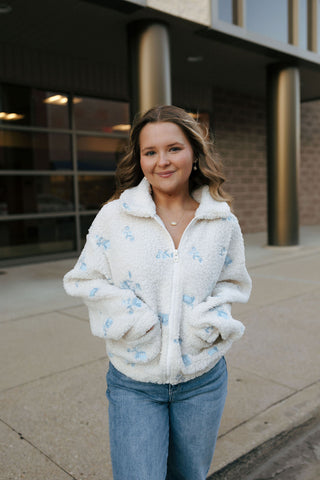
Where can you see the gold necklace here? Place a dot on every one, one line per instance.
(174, 223)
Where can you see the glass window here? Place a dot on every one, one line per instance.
(99, 153)
(95, 190)
(32, 107)
(36, 194)
(24, 238)
(225, 10)
(268, 18)
(101, 115)
(318, 23)
(303, 22)
(85, 223)
(34, 151)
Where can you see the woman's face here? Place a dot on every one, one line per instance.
(166, 157)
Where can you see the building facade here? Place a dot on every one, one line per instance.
(73, 74)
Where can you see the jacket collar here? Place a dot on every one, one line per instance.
(138, 201)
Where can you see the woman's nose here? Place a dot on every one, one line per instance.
(163, 159)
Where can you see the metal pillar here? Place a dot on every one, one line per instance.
(283, 131)
(150, 73)
(313, 25)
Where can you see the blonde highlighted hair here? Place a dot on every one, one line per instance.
(129, 172)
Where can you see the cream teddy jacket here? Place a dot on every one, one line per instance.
(165, 313)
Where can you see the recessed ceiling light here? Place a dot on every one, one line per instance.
(56, 100)
(122, 127)
(5, 8)
(60, 100)
(10, 116)
(195, 59)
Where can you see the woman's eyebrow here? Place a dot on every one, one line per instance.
(169, 145)
(147, 148)
(175, 143)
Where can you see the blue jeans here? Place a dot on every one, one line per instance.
(164, 432)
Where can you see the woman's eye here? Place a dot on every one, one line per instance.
(175, 149)
(149, 153)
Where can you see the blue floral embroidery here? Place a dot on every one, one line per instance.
(139, 354)
(129, 284)
(107, 324)
(103, 242)
(213, 350)
(195, 254)
(128, 235)
(180, 378)
(164, 254)
(220, 312)
(131, 304)
(222, 251)
(93, 292)
(126, 206)
(208, 329)
(227, 261)
(177, 340)
(186, 360)
(83, 266)
(228, 219)
(164, 318)
(188, 300)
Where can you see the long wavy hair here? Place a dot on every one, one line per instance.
(209, 172)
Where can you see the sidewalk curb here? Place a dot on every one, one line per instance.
(250, 463)
(278, 419)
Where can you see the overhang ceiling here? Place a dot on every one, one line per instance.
(82, 29)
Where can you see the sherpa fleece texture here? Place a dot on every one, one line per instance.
(165, 312)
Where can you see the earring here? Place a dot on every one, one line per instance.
(195, 166)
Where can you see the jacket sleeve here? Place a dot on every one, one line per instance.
(114, 312)
(212, 317)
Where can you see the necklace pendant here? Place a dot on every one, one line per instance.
(173, 224)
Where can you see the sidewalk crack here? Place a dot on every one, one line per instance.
(22, 437)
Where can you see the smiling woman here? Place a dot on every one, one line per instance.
(162, 264)
(207, 168)
(166, 160)
(166, 154)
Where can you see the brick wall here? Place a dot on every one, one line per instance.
(240, 136)
(309, 193)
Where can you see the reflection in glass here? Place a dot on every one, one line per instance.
(101, 115)
(24, 238)
(30, 107)
(34, 151)
(318, 23)
(85, 223)
(225, 10)
(95, 190)
(98, 153)
(35, 194)
(268, 18)
(303, 22)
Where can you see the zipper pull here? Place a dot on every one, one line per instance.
(175, 256)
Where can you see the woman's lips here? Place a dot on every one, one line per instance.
(165, 174)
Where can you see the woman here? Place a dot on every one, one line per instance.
(162, 264)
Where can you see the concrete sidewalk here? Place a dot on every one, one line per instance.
(53, 412)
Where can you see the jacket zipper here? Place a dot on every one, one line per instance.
(174, 305)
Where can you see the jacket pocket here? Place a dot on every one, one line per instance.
(214, 328)
(137, 350)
